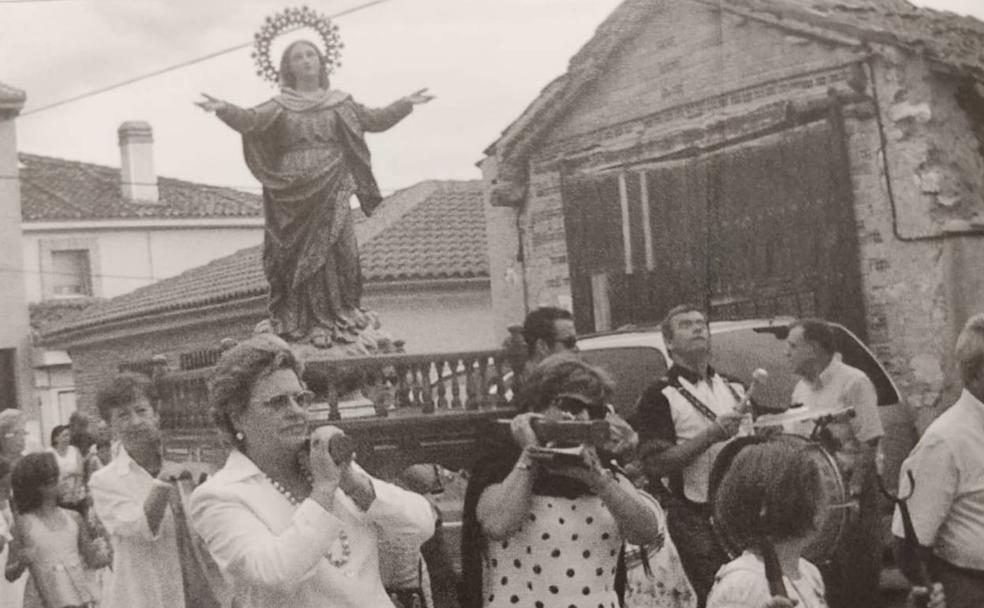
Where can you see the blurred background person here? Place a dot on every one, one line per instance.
(49, 540)
(71, 470)
(135, 503)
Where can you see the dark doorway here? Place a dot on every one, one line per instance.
(8, 378)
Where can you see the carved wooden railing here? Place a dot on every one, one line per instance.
(402, 409)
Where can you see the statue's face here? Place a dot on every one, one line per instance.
(303, 60)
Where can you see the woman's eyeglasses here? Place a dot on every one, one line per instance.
(575, 406)
(303, 399)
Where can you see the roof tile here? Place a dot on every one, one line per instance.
(440, 237)
(54, 189)
(952, 39)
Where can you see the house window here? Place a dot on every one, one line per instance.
(70, 273)
(70, 267)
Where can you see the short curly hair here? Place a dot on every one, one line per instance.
(123, 389)
(563, 373)
(772, 490)
(239, 369)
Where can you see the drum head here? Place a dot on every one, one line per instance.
(835, 519)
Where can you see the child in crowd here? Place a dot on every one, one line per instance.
(770, 499)
(48, 540)
(771, 502)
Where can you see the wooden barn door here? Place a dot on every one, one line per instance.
(754, 230)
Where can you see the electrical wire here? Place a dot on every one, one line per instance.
(54, 273)
(170, 68)
(191, 184)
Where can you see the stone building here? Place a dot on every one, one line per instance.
(425, 272)
(802, 157)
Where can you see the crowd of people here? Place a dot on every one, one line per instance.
(102, 519)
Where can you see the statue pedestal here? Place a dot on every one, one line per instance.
(371, 341)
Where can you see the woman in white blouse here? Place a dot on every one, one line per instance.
(288, 526)
(71, 482)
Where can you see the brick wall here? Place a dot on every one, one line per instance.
(936, 173)
(665, 92)
(93, 364)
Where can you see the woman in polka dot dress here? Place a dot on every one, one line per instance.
(539, 535)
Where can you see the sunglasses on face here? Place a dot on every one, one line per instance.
(569, 343)
(303, 399)
(574, 407)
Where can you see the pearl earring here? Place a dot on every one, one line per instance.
(240, 436)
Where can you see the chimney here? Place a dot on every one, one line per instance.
(137, 177)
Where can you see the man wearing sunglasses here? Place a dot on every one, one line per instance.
(548, 331)
(683, 421)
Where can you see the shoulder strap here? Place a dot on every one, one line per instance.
(693, 400)
(731, 388)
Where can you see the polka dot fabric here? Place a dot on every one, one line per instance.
(563, 556)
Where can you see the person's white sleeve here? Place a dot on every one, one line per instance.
(934, 470)
(247, 551)
(739, 589)
(401, 512)
(863, 397)
(120, 512)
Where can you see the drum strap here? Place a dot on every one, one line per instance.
(699, 405)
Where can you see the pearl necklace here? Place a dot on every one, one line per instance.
(343, 538)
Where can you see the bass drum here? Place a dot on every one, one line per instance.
(839, 508)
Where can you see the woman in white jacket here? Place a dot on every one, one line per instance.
(289, 526)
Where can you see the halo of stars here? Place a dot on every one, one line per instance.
(291, 19)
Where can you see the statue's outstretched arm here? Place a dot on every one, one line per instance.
(242, 120)
(380, 119)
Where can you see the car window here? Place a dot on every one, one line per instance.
(633, 368)
(737, 354)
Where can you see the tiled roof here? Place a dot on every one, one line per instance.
(951, 39)
(54, 189)
(442, 236)
(942, 36)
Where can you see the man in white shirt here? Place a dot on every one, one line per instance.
(828, 384)
(947, 502)
(134, 504)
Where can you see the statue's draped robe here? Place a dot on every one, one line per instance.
(309, 152)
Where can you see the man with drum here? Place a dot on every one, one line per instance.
(828, 385)
(947, 501)
(683, 421)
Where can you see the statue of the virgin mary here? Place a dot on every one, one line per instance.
(307, 148)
